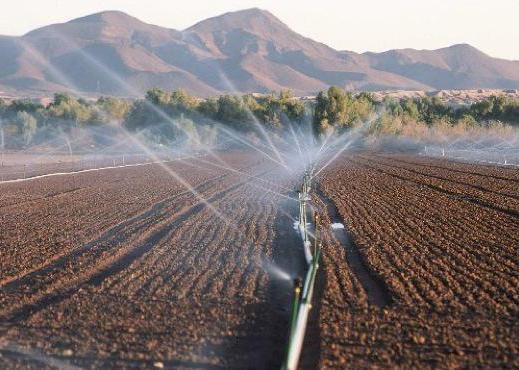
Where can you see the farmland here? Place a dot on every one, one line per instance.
(427, 274)
(181, 265)
(127, 267)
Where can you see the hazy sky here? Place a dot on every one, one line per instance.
(358, 25)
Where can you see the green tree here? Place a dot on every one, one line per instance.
(341, 109)
(113, 109)
(482, 109)
(320, 118)
(157, 97)
(409, 106)
(208, 108)
(180, 102)
(24, 106)
(141, 115)
(232, 110)
(67, 108)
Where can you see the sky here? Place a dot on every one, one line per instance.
(361, 25)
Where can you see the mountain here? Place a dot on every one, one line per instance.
(455, 67)
(245, 51)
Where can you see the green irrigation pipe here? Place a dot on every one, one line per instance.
(302, 301)
(296, 300)
(313, 272)
(297, 333)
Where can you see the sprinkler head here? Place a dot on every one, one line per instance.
(298, 284)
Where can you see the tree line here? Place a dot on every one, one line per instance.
(339, 110)
(170, 116)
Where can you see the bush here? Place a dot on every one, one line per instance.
(166, 116)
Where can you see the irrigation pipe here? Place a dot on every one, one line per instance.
(89, 170)
(302, 301)
(445, 155)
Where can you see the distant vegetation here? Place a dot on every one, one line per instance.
(168, 117)
(339, 110)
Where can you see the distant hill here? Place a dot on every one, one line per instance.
(245, 51)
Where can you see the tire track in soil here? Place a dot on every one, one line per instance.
(377, 292)
(97, 276)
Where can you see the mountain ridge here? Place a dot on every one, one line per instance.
(250, 50)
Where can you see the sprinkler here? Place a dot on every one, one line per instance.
(298, 288)
(303, 292)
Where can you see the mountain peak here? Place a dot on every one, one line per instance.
(252, 12)
(254, 19)
(108, 16)
(111, 24)
(464, 46)
(463, 51)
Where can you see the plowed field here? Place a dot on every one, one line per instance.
(128, 268)
(426, 273)
(139, 267)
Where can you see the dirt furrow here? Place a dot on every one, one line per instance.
(457, 195)
(470, 186)
(375, 288)
(109, 267)
(114, 236)
(442, 247)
